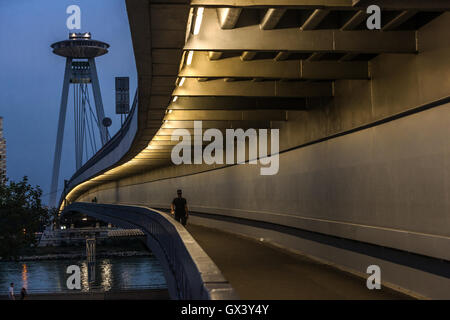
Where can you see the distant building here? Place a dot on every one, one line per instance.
(2, 153)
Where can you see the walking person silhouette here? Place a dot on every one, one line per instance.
(179, 208)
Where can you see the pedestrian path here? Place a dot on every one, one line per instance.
(260, 271)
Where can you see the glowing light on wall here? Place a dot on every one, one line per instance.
(189, 58)
(198, 21)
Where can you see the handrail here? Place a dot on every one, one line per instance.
(190, 273)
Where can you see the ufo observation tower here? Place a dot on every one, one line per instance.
(80, 52)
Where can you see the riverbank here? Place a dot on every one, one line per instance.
(150, 294)
(80, 255)
(130, 248)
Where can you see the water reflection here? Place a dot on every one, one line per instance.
(91, 272)
(84, 277)
(24, 276)
(106, 274)
(110, 274)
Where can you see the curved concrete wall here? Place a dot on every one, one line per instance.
(386, 185)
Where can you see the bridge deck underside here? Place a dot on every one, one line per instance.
(247, 264)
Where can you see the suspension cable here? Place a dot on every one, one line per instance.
(90, 124)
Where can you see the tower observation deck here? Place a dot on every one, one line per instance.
(80, 46)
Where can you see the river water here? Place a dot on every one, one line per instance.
(116, 273)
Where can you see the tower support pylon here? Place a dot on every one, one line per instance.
(80, 52)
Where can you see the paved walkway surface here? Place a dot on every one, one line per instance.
(259, 271)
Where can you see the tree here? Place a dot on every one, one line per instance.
(21, 216)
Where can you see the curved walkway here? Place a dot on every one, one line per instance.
(260, 271)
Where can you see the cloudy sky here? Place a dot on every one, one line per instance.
(31, 79)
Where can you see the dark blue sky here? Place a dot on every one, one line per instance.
(31, 78)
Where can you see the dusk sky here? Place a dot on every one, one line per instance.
(31, 78)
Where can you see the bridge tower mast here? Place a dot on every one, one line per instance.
(80, 52)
